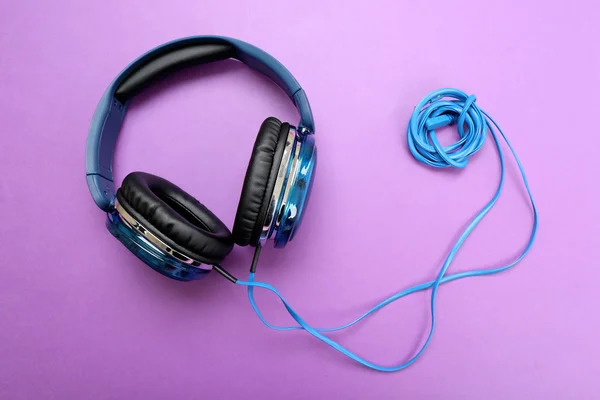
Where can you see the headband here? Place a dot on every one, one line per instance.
(155, 64)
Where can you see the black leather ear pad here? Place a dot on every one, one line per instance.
(175, 217)
(260, 181)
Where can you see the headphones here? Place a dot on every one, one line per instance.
(163, 225)
(179, 237)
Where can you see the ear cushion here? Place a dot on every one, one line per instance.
(260, 181)
(175, 217)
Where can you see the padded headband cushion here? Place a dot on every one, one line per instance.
(175, 217)
(260, 181)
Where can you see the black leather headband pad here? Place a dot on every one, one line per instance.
(260, 181)
(170, 59)
(175, 217)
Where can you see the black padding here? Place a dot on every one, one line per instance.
(260, 181)
(175, 217)
(170, 60)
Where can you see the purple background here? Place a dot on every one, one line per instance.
(81, 318)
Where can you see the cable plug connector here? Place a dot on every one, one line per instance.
(440, 121)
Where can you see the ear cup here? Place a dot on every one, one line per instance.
(175, 217)
(260, 181)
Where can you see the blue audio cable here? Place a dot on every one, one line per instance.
(440, 108)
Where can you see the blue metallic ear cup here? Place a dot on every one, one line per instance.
(277, 185)
(301, 177)
(292, 189)
(166, 223)
(260, 181)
